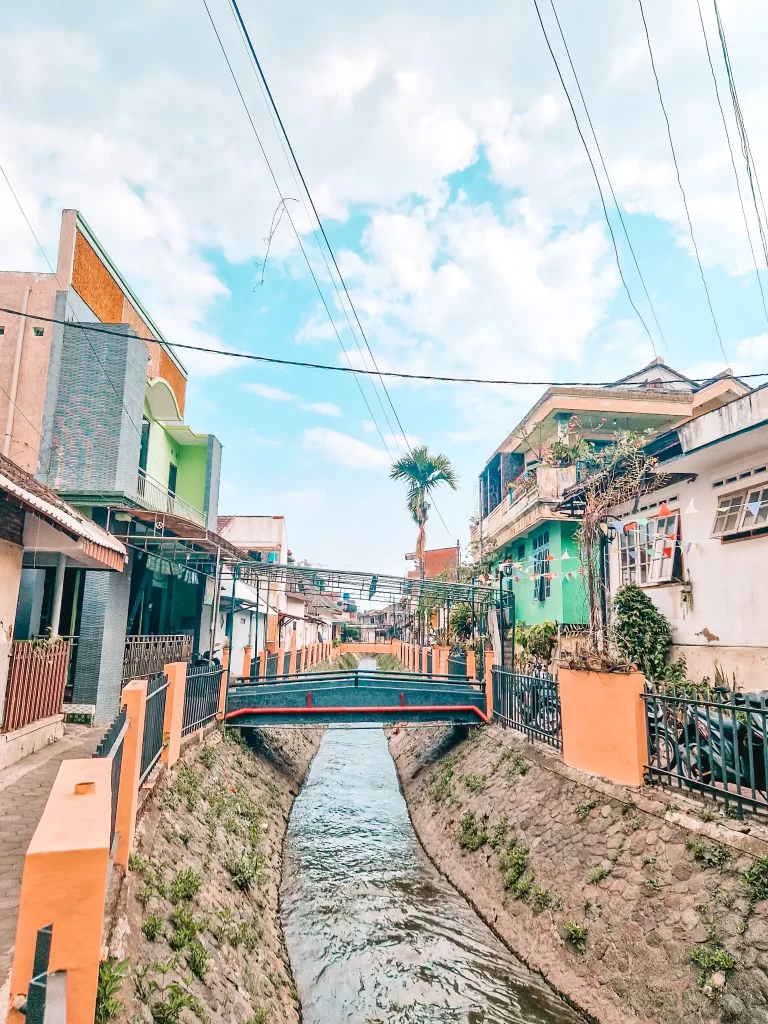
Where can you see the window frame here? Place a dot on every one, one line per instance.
(542, 587)
(737, 503)
(642, 558)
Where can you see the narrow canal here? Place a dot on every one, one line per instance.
(375, 934)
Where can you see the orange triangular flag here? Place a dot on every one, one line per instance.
(549, 558)
(664, 509)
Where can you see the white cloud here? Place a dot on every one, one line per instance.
(268, 392)
(324, 408)
(261, 440)
(345, 449)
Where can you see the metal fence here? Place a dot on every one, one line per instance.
(145, 656)
(457, 663)
(111, 746)
(711, 741)
(528, 703)
(152, 747)
(299, 654)
(37, 992)
(429, 661)
(37, 675)
(271, 664)
(286, 662)
(201, 697)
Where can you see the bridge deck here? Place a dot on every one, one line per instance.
(362, 695)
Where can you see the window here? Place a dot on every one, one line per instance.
(739, 513)
(650, 553)
(272, 556)
(520, 552)
(542, 587)
(144, 449)
(2, 330)
(173, 471)
(37, 331)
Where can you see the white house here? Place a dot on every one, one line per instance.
(698, 544)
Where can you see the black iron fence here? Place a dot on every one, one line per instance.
(201, 697)
(429, 661)
(712, 741)
(37, 993)
(152, 747)
(457, 663)
(528, 703)
(286, 661)
(272, 664)
(144, 656)
(111, 746)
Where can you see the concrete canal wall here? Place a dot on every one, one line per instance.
(625, 900)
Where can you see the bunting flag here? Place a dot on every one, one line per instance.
(570, 575)
(619, 527)
(632, 525)
(668, 552)
(690, 508)
(664, 510)
(549, 558)
(565, 555)
(754, 507)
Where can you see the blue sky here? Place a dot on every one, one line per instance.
(444, 161)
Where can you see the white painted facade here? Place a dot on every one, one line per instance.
(718, 609)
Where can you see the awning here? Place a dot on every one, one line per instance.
(44, 503)
(167, 531)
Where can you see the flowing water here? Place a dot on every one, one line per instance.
(375, 934)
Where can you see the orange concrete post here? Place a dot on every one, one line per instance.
(488, 681)
(225, 660)
(65, 884)
(223, 684)
(471, 672)
(247, 655)
(134, 698)
(292, 662)
(174, 711)
(603, 721)
(442, 660)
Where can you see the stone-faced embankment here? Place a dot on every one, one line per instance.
(628, 904)
(197, 918)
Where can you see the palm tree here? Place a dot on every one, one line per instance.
(422, 472)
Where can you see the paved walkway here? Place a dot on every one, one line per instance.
(24, 789)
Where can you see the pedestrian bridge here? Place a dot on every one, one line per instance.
(365, 694)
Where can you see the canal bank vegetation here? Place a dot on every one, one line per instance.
(196, 933)
(631, 905)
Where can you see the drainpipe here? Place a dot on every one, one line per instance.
(15, 375)
(58, 588)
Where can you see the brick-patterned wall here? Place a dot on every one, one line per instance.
(94, 284)
(160, 363)
(11, 521)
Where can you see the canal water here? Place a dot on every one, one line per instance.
(375, 934)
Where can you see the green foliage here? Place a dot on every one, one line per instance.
(389, 663)
(173, 1000)
(518, 766)
(596, 876)
(543, 898)
(259, 1017)
(137, 863)
(499, 835)
(712, 959)
(521, 888)
(755, 880)
(644, 635)
(108, 1003)
(582, 811)
(349, 633)
(208, 756)
(576, 934)
(461, 621)
(185, 886)
(441, 784)
(246, 870)
(185, 836)
(534, 644)
(513, 863)
(654, 883)
(152, 927)
(472, 833)
(474, 783)
(197, 958)
(711, 855)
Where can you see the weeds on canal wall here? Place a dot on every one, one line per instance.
(440, 783)
(472, 833)
(389, 663)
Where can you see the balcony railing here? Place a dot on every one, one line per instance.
(145, 656)
(36, 678)
(542, 484)
(156, 496)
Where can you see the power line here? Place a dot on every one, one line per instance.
(608, 177)
(733, 164)
(290, 218)
(594, 172)
(282, 139)
(317, 216)
(679, 181)
(346, 369)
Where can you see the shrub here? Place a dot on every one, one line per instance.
(474, 783)
(441, 784)
(542, 897)
(535, 643)
(576, 934)
(472, 833)
(513, 864)
(711, 855)
(197, 959)
(598, 875)
(755, 880)
(245, 869)
(185, 886)
(259, 1017)
(499, 835)
(152, 927)
(111, 976)
(711, 960)
(519, 766)
(522, 887)
(643, 633)
(208, 756)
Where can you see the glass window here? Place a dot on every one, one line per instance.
(649, 553)
(663, 548)
(756, 509)
(728, 514)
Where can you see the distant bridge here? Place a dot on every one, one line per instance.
(355, 695)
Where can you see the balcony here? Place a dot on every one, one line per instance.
(542, 486)
(156, 496)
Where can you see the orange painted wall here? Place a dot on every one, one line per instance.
(603, 720)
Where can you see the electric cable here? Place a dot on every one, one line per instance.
(435, 378)
(733, 164)
(680, 183)
(608, 177)
(597, 179)
(290, 218)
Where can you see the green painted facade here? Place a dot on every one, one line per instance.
(190, 461)
(567, 600)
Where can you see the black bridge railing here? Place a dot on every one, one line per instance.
(201, 697)
(712, 741)
(528, 703)
(355, 675)
(154, 718)
(457, 664)
(37, 993)
(111, 746)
